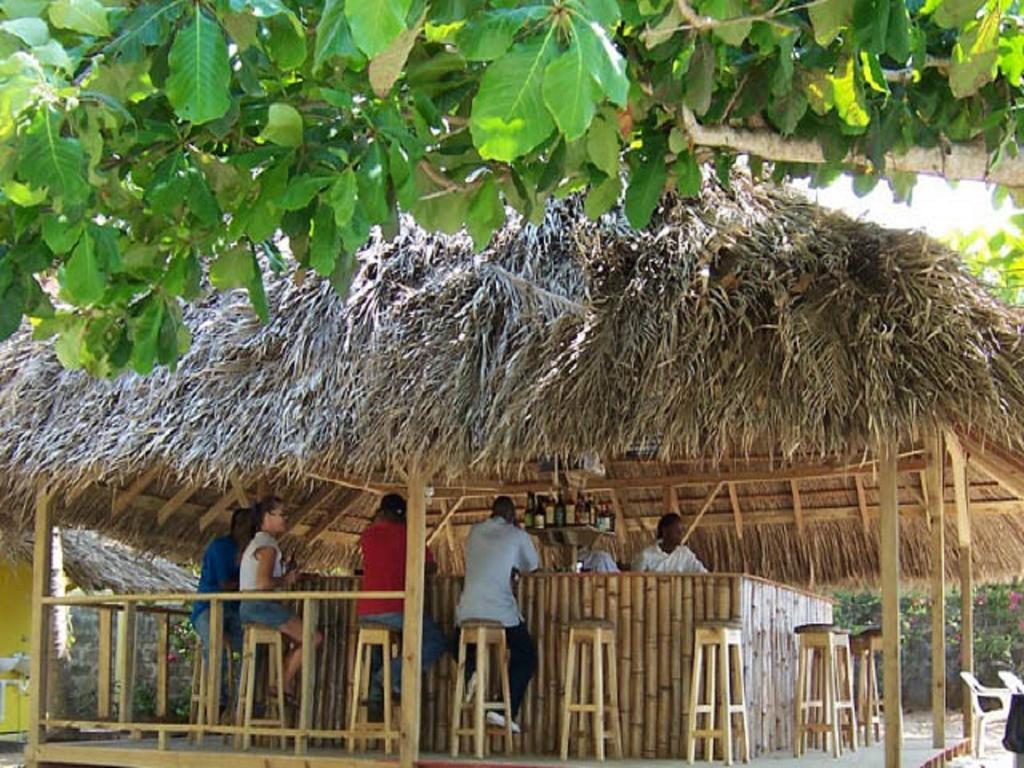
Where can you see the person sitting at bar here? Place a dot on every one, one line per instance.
(496, 549)
(597, 561)
(669, 554)
(383, 545)
(219, 573)
(261, 570)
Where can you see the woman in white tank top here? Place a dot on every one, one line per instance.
(261, 570)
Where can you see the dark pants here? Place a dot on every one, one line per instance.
(522, 663)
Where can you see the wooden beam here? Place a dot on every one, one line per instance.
(320, 499)
(736, 512)
(163, 646)
(240, 493)
(862, 503)
(708, 501)
(621, 524)
(958, 468)
(412, 622)
(889, 534)
(931, 487)
(42, 551)
(174, 503)
(670, 498)
(217, 510)
(1003, 466)
(445, 518)
(123, 499)
(320, 529)
(798, 507)
(104, 665)
(126, 663)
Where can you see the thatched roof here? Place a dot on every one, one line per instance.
(748, 330)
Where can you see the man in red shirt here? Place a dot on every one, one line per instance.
(383, 546)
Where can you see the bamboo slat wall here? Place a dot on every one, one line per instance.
(654, 616)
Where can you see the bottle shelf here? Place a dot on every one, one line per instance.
(569, 535)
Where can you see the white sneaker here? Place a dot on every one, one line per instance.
(498, 719)
(470, 689)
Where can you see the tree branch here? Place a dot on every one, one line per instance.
(968, 162)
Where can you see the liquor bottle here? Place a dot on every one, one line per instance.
(610, 515)
(582, 502)
(539, 515)
(530, 516)
(559, 511)
(571, 510)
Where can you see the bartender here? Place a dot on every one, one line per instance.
(668, 554)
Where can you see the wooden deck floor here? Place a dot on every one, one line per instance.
(124, 753)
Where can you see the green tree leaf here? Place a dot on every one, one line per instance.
(487, 36)
(735, 32)
(975, 56)
(200, 73)
(82, 280)
(606, 64)
(897, 40)
(144, 331)
(953, 14)
(32, 32)
(603, 146)
(602, 198)
(342, 198)
(509, 118)
(700, 77)
(849, 99)
(569, 92)
(301, 190)
(646, 183)
(54, 162)
(688, 175)
(325, 243)
(333, 36)
(386, 67)
(871, 24)
(284, 126)
(86, 16)
(485, 214)
(234, 268)
(286, 42)
(828, 18)
(1011, 57)
(59, 234)
(375, 23)
(606, 12)
(23, 194)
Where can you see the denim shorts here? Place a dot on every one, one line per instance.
(265, 612)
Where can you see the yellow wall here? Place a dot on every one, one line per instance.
(16, 610)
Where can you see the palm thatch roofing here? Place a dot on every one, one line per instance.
(742, 354)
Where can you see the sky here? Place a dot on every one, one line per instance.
(936, 206)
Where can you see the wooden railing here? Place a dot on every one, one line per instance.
(129, 606)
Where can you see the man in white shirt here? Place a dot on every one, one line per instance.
(495, 549)
(669, 554)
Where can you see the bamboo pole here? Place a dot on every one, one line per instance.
(958, 468)
(126, 663)
(889, 534)
(42, 552)
(932, 484)
(412, 622)
(163, 646)
(104, 671)
(309, 623)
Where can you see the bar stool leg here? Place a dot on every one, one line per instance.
(598, 696)
(585, 696)
(736, 666)
(799, 728)
(567, 693)
(353, 715)
(831, 678)
(250, 690)
(482, 664)
(726, 706)
(460, 680)
(386, 659)
(506, 693)
(696, 678)
(613, 684)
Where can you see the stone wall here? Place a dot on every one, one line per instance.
(82, 689)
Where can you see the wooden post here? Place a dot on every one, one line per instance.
(214, 654)
(126, 663)
(309, 622)
(412, 622)
(104, 670)
(889, 535)
(42, 551)
(958, 467)
(163, 646)
(933, 493)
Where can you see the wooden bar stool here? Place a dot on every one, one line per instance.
(824, 686)
(198, 701)
(487, 636)
(389, 640)
(724, 692)
(594, 639)
(864, 646)
(255, 636)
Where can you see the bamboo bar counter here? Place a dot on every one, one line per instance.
(654, 615)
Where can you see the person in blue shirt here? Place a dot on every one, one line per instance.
(220, 574)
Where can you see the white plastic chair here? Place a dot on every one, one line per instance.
(982, 717)
(1011, 681)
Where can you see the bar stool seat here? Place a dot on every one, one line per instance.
(864, 645)
(722, 641)
(592, 644)
(488, 637)
(387, 638)
(824, 686)
(274, 717)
